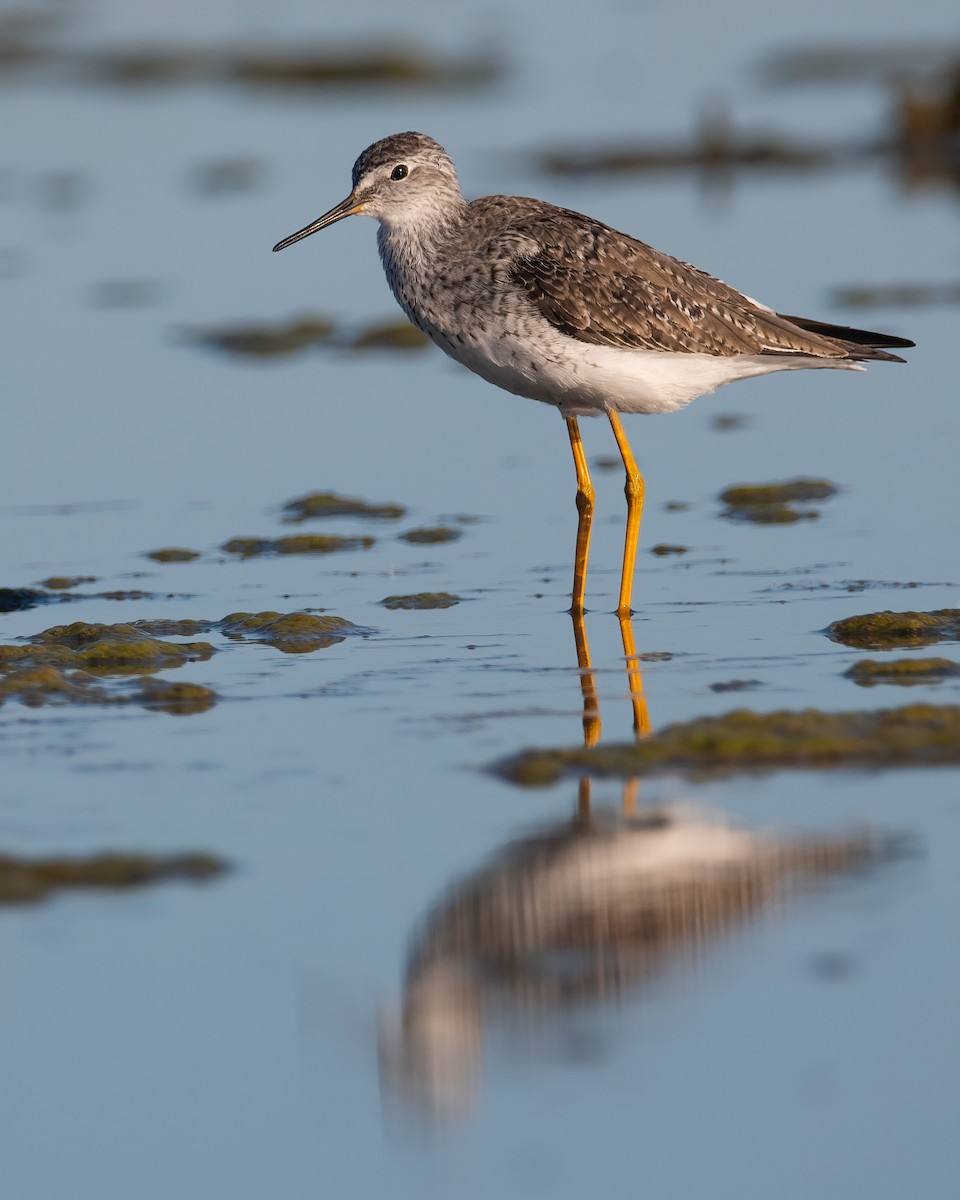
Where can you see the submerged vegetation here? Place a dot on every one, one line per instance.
(173, 554)
(70, 664)
(25, 43)
(431, 535)
(261, 339)
(101, 649)
(89, 664)
(903, 671)
(39, 685)
(293, 633)
(916, 735)
(301, 543)
(57, 583)
(387, 335)
(26, 880)
(751, 495)
(771, 503)
(420, 600)
(897, 630)
(330, 504)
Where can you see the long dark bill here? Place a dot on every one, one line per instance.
(346, 208)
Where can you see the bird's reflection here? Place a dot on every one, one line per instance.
(580, 910)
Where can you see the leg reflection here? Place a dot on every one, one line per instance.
(592, 725)
(641, 717)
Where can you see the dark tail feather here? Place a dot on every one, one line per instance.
(854, 337)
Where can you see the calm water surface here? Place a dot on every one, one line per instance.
(239, 1039)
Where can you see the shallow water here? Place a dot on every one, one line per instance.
(231, 1037)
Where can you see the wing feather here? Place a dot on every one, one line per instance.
(602, 287)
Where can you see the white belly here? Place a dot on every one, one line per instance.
(583, 379)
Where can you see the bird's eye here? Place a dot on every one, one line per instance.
(399, 172)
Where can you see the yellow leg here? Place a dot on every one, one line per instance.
(585, 509)
(633, 490)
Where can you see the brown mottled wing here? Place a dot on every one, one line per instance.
(603, 287)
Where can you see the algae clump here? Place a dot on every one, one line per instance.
(915, 735)
(431, 535)
(171, 554)
(102, 650)
(746, 495)
(301, 543)
(393, 64)
(265, 341)
(393, 335)
(418, 600)
(903, 671)
(770, 503)
(167, 627)
(58, 583)
(330, 504)
(121, 647)
(36, 686)
(293, 633)
(25, 881)
(893, 630)
(179, 699)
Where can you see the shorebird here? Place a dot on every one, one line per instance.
(556, 306)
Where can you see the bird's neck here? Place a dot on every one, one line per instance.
(416, 240)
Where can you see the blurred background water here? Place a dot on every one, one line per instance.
(240, 1038)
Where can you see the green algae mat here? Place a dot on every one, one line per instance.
(897, 630)
(25, 881)
(914, 735)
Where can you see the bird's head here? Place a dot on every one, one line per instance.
(406, 179)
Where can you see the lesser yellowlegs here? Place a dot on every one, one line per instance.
(553, 305)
